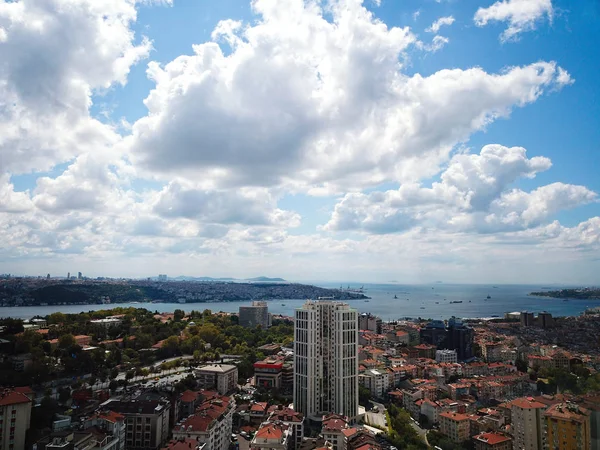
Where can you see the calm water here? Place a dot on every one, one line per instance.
(435, 299)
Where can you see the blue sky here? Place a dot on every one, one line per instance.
(326, 140)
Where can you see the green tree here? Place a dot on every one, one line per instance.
(178, 315)
(66, 341)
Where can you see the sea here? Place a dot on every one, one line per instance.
(432, 301)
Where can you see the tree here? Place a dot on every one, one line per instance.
(364, 395)
(57, 318)
(66, 341)
(178, 315)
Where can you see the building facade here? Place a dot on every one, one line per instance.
(15, 415)
(326, 359)
(567, 427)
(446, 356)
(147, 421)
(255, 315)
(527, 423)
(222, 377)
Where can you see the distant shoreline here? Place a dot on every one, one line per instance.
(575, 294)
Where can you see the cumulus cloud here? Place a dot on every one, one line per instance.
(55, 54)
(313, 104)
(472, 195)
(521, 15)
(439, 23)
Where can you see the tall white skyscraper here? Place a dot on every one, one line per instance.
(326, 359)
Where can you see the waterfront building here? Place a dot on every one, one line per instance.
(545, 320)
(527, 423)
(15, 414)
(222, 377)
(255, 315)
(568, 427)
(527, 319)
(162, 277)
(326, 359)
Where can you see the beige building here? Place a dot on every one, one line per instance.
(222, 377)
(527, 418)
(455, 426)
(15, 414)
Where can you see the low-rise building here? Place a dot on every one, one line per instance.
(332, 431)
(492, 441)
(222, 377)
(112, 425)
(272, 436)
(455, 426)
(267, 373)
(211, 424)
(293, 419)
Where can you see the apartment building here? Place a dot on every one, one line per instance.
(222, 377)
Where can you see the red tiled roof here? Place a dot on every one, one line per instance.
(526, 403)
(457, 417)
(259, 406)
(271, 431)
(110, 416)
(189, 396)
(492, 438)
(182, 444)
(12, 397)
(567, 411)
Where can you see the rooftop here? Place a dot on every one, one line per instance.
(492, 438)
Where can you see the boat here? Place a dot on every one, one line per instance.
(366, 301)
(469, 301)
(283, 304)
(456, 301)
(395, 296)
(566, 300)
(437, 303)
(488, 297)
(422, 307)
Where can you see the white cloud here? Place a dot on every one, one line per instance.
(472, 195)
(521, 15)
(316, 105)
(55, 54)
(437, 43)
(439, 23)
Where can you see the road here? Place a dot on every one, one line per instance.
(420, 431)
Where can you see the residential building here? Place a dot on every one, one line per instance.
(108, 322)
(222, 377)
(492, 441)
(446, 356)
(369, 322)
(272, 436)
(255, 315)
(211, 424)
(294, 420)
(267, 373)
(113, 428)
(21, 362)
(326, 359)
(332, 430)
(15, 415)
(527, 428)
(455, 426)
(147, 421)
(188, 402)
(376, 380)
(492, 351)
(568, 427)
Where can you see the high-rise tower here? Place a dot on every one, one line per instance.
(326, 359)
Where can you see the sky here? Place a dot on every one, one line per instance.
(384, 140)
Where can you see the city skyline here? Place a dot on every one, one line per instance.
(337, 140)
